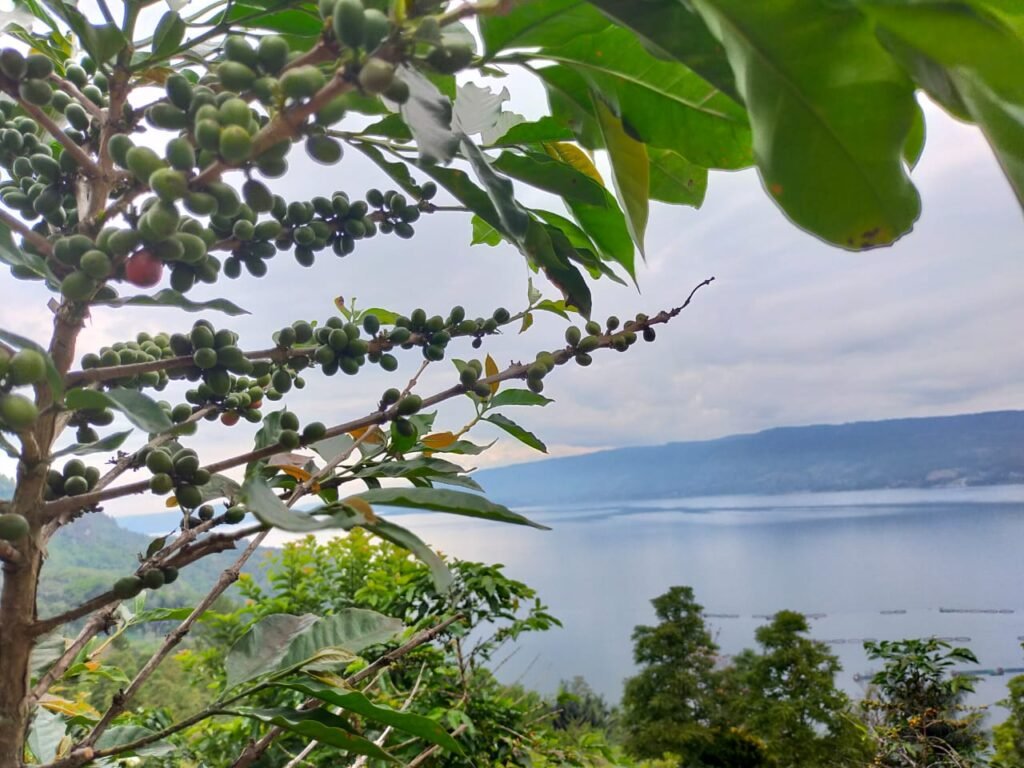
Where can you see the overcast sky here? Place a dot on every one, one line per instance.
(792, 331)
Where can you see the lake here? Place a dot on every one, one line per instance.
(869, 564)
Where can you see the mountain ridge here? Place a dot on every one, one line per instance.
(919, 452)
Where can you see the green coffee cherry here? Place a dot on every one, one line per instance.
(12, 526)
(376, 75)
(127, 588)
(348, 21)
(409, 405)
(324, 149)
(17, 412)
(272, 53)
(302, 82)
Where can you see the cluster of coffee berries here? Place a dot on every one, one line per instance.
(39, 186)
(205, 513)
(151, 578)
(405, 406)
(29, 74)
(178, 472)
(41, 173)
(85, 421)
(291, 438)
(23, 368)
(143, 349)
(542, 365)
(75, 479)
(395, 213)
(308, 227)
(470, 373)
(341, 348)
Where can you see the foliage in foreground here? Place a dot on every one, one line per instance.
(90, 209)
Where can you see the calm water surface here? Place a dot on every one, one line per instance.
(848, 556)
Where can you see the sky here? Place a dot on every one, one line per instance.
(791, 332)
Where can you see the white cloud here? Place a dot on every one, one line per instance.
(791, 332)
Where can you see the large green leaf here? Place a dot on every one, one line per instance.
(53, 377)
(355, 701)
(462, 188)
(544, 172)
(670, 29)
(522, 435)
(261, 649)
(569, 98)
(830, 112)
(674, 179)
(554, 262)
(396, 534)
(443, 500)
(630, 170)
(280, 643)
(968, 60)
(105, 444)
(340, 636)
(14, 256)
(428, 113)
(318, 725)
(663, 103)
(514, 217)
(606, 226)
(45, 734)
(517, 397)
(534, 24)
(139, 409)
(270, 510)
(546, 129)
(299, 22)
(399, 172)
(167, 297)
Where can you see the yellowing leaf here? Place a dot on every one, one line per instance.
(491, 369)
(299, 474)
(438, 440)
(155, 75)
(92, 666)
(172, 501)
(631, 170)
(362, 507)
(572, 155)
(68, 707)
(339, 302)
(373, 437)
(527, 322)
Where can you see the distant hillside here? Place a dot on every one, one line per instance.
(84, 559)
(978, 449)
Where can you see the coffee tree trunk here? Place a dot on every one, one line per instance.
(21, 578)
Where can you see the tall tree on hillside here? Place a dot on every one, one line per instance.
(669, 702)
(786, 694)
